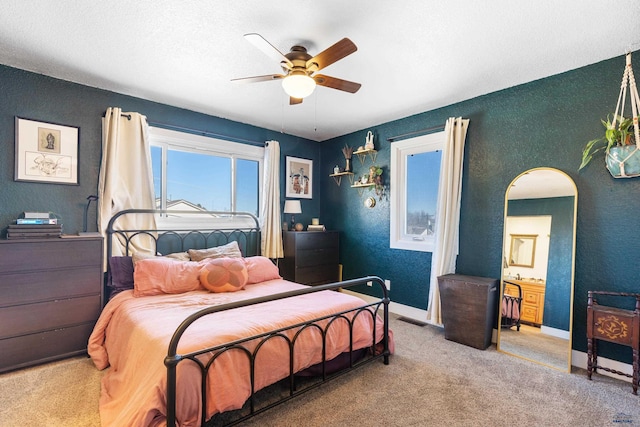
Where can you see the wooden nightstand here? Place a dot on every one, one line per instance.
(310, 257)
(614, 325)
(50, 298)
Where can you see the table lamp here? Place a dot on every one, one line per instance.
(292, 207)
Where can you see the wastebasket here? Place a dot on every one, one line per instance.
(468, 308)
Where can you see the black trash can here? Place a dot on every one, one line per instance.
(469, 306)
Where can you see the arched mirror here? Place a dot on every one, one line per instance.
(536, 309)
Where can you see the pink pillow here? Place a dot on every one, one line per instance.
(261, 269)
(160, 275)
(223, 274)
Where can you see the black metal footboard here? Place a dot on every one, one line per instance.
(367, 309)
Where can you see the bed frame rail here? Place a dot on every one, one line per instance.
(367, 309)
(186, 230)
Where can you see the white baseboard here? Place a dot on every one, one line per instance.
(558, 333)
(398, 309)
(578, 358)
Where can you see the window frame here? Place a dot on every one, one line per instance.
(168, 139)
(398, 174)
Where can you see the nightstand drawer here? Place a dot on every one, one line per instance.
(315, 240)
(317, 275)
(311, 257)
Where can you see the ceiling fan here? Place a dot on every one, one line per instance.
(299, 79)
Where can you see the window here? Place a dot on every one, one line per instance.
(193, 172)
(415, 177)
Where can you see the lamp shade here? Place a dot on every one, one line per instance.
(298, 84)
(292, 207)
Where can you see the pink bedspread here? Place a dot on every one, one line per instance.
(132, 336)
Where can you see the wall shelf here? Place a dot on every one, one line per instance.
(337, 177)
(362, 154)
(362, 187)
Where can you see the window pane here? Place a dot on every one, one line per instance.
(423, 174)
(156, 166)
(247, 183)
(198, 179)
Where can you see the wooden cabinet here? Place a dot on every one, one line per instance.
(532, 308)
(50, 298)
(311, 257)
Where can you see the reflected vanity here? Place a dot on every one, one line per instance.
(538, 268)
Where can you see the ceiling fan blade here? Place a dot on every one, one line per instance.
(270, 50)
(294, 101)
(256, 79)
(332, 54)
(335, 83)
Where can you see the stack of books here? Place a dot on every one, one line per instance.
(318, 227)
(34, 225)
(33, 231)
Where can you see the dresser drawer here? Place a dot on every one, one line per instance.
(322, 256)
(22, 255)
(28, 319)
(317, 275)
(42, 347)
(37, 286)
(316, 240)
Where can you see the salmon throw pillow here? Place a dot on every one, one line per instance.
(223, 274)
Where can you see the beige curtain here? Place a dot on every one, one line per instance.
(126, 178)
(271, 244)
(443, 259)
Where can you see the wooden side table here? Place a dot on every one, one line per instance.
(614, 325)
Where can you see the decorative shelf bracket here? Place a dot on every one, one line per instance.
(337, 177)
(362, 187)
(362, 155)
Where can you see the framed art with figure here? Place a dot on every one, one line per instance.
(46, 152)
(299, 176)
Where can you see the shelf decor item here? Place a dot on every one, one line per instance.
(347, 152)
(369, 141)
(621, 136)
(46, 152)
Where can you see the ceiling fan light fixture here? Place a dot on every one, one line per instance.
(298, 85)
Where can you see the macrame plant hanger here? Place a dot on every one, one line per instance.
(616, 165)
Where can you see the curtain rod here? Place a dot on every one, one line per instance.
(206, 133)
(199, 132)
(415, 133)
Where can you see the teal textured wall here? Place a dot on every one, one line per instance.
(541, 123)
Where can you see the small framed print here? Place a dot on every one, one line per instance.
(299, 178)
(46, 152)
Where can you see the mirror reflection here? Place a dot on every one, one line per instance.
(537, 277)
(523, 250)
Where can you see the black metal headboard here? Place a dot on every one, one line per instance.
(178, 231)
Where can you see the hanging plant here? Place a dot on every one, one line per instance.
(614, 136)
(621, 136)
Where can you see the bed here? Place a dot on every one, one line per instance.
(235, 341)
(511, 305)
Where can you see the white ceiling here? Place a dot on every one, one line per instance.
(413, 55)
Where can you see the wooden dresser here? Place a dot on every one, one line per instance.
(311, 257)
(50, 298)
(532, 308)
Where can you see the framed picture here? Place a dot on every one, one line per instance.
(46, 152)
(299, 178)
